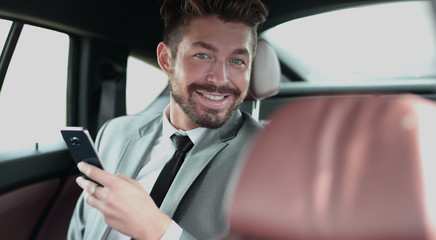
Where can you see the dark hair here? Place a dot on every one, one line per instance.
(177, 15)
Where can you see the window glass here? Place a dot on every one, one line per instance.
(4, 30)
(144, 83)
(375, 42)
(33, 97)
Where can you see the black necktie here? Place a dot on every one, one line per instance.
(183, 144)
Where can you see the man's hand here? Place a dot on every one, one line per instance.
(124, 203)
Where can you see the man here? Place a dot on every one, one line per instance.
(207, 53)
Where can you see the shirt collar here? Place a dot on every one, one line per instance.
(168, 129)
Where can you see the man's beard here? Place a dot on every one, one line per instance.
(208, 118)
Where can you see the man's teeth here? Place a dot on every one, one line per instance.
(215, 98)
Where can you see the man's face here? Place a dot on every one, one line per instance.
(211, 72)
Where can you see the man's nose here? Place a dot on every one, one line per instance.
(218, 74)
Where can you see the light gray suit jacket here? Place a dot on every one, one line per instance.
(197, 197)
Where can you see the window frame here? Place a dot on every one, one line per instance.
(8, 49)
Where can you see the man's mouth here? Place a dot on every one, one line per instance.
(212, 97)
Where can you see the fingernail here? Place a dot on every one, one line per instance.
(80, 165)
(79, 179)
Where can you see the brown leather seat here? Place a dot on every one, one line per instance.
(344, 167)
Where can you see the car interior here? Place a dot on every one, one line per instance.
(336, 83)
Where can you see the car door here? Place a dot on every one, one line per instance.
(36, 171)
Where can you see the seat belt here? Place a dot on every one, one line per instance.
(107, 101)
(112, 96)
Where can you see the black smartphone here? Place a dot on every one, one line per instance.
(81, 147)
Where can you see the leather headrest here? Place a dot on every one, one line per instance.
(348, 167)
(265, 76)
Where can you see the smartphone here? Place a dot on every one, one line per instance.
(81, 147)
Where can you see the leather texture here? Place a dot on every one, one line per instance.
(26, 214)
(341, 167)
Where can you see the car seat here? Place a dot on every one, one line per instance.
(345, 167)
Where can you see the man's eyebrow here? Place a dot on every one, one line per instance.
(205, 45)
(242, 51)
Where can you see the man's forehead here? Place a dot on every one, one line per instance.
(214, 23)
(214, 34)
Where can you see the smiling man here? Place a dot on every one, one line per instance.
(207, 51)
(210, 74)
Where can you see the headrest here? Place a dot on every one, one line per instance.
(265, 76)
(346, 167)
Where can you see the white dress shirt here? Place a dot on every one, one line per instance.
(161, 153)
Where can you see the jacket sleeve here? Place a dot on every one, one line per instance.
(76, 229)
(77, 226)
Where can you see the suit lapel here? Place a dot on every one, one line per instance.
(132, 159)
(193, 165)
(212, 142)
(137, 149)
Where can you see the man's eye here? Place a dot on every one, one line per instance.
(202, 55)
(237, 61)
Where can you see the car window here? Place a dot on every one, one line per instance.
(4, 29)
(144, 83)
(33, 96)
(389, 41)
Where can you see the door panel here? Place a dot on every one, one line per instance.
(57, 219)
(21, 208)
(37, 194)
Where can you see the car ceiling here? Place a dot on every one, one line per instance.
(137, 23)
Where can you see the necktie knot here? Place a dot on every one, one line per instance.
(182, 143)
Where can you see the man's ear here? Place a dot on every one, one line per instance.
(164, 57)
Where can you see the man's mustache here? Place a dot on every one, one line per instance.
(212, 88)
